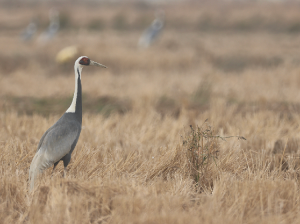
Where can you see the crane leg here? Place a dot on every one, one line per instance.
(65, 172)
(55, 164)
(66, 159)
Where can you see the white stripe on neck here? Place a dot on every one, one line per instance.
(72, 107)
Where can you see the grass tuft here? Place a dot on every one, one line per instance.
(202, 148)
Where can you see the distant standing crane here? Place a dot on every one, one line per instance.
(59, 141)
(30, 30)
(152, 32)
(52, 28)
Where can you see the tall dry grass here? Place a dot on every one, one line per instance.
(143, 163)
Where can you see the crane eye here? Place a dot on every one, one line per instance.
(85, 61)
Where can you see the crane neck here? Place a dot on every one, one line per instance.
(76, 105)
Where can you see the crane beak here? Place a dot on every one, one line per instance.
(97, 64)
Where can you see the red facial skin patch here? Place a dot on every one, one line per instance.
(85, 61)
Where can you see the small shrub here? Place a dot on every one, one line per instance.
(202, 147)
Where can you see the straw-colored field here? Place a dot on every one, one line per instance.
(137, 159)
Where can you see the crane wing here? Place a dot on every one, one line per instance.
(59, 140)
(42, 139)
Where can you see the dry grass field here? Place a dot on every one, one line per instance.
(152, 149)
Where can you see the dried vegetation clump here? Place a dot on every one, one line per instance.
(146, 153)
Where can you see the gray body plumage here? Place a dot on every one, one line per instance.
(28, 33)
(60, 140)
(153, 31)
(57, 144)
(53, 27)
(52, 30)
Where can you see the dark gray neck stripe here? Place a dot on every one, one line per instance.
(78, 108)
(78, 73)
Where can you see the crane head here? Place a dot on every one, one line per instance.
(86, 61)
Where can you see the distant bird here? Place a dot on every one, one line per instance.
(59, 141)
(66, 54)
(151, 33)
(52, 28)
(30, 30)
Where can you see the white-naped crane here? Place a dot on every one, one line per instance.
(53, 27)
(30, 30)
(153, 31)
(59, 141)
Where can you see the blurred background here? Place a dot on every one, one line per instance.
(169, 55)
